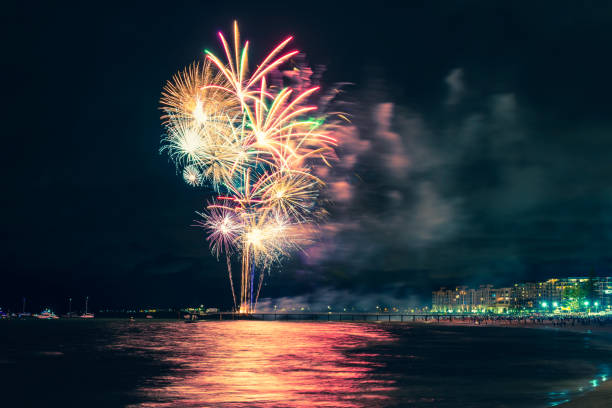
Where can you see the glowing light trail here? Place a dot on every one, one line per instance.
(252, 142)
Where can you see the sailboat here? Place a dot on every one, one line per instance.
(70, 314)
(87, 315)
(23, 312)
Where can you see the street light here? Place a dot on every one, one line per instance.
(544, 304)
(555, 304)
(586, 302)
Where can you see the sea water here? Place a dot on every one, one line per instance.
(149, 363)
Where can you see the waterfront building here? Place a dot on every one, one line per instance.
(503, 300)
(463, 299)
(444, 300)
(526, 296)
(558, 295)
(484, 298)
(602, 293)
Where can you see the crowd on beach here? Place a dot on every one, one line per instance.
(555, 321)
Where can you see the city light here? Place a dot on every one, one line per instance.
(557, 295)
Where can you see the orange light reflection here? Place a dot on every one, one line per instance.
(267, 364)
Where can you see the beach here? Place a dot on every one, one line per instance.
(599, 398)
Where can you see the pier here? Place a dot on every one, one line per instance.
(335, 317)
(470, 319)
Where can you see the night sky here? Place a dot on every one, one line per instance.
(480, 151)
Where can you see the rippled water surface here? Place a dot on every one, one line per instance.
(294, 364)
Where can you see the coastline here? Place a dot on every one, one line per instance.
(597, 398)
(587, 329)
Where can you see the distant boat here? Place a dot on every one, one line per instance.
(70, 315)
(87, 315)
(23, 312)
(190, 318)
(46, 314)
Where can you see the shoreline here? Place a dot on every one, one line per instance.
(599, 397)
(588, 328)
(578, 328)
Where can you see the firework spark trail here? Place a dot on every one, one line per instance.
(257, 146)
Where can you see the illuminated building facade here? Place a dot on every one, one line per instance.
(463, 299)
(566, 295)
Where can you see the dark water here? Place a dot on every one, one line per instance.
(293, 364)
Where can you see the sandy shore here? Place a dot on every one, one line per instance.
(600, 397)
(579, 328)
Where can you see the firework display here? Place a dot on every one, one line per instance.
(255, 142)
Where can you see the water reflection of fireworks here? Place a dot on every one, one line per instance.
(278, 364)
